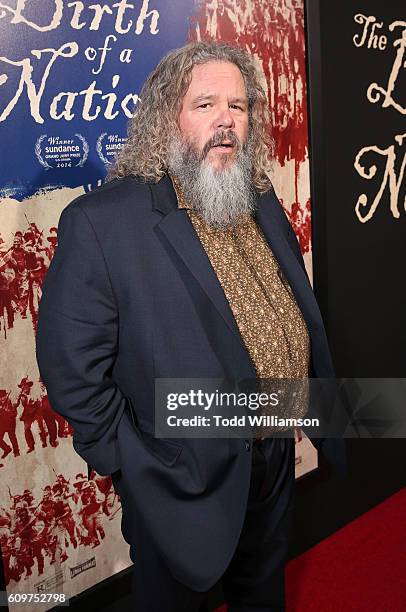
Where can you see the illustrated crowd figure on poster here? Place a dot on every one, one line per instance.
(23, 267)
(68, 515)
(37, 417)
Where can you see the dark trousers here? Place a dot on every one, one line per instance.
(254, 579)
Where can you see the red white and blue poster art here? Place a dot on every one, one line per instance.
(71, 73)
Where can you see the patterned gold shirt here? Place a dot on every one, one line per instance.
(264, 307)
(265, 310)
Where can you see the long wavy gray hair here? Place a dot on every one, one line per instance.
(155, 120)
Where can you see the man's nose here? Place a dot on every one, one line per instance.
(224, 118)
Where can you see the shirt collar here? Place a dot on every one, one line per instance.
(179, 193)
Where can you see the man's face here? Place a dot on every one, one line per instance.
(216, 102)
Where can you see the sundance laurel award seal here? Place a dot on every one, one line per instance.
(108, 145)
(57, 152)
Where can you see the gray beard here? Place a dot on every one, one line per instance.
(222, 197)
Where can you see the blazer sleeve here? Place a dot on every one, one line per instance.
(77, 341)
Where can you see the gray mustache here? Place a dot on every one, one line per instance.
(217, 139)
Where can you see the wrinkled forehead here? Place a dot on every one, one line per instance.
(216, 78)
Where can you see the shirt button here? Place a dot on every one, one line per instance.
(247, 445)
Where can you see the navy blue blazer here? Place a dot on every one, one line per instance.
(131, 296)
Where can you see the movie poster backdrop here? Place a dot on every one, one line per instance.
(364, 111)
(70, 77)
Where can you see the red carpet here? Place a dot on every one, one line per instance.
(360, 568)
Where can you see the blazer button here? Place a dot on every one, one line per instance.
(247, 445)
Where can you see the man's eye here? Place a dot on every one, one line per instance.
(236, 106)
(205, 105)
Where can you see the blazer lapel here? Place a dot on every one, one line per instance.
(288, 262)
(177, 228)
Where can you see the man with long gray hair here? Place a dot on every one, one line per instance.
(184, 265)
